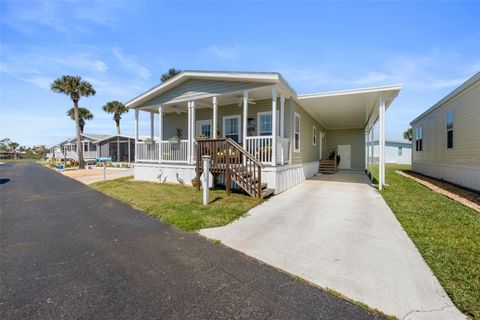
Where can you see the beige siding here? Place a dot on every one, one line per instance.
(199, 88)
(308, 151)
(353, 137)
(466, 131)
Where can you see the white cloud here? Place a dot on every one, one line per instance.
(131, 64)
(231, 52)
(41, 82)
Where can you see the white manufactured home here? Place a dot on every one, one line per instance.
(258, 131)
(446, 137)
(397, 152)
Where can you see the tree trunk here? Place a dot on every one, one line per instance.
(118, 126)
(79, 136)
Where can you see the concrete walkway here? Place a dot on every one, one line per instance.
(337, 232)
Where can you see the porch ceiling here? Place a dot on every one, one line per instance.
(351, 109)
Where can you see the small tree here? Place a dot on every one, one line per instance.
(117, 108)
(172, 72)
(84, 115)
(407, 135)
(74, 87)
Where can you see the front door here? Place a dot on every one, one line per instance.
(345, 153)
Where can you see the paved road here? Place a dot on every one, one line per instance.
(69, 252)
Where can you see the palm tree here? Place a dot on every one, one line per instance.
(14, 147)
(83, 113)
(74, 87)
(172, 72)
(117, 108)
(407, 135)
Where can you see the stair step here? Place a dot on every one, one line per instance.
(267, 192)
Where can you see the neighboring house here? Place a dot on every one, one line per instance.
(118, 147)
(446, 137)
(398, 152)
(275, 135)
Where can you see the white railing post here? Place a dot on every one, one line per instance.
(274, 125)
(160, 132)
(136, 134)
(282, 124)
(215, 117)
(193, 133)
(152, 134)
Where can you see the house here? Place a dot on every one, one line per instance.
(120, 148)
(446, 137)
(398, 152)
(257, 129)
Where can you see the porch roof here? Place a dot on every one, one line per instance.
(348, 109)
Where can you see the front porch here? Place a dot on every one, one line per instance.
(257, 124)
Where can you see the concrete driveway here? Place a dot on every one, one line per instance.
(337, 232)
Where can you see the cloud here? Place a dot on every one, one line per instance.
(130, 63)
(41, 82)
(231, 52)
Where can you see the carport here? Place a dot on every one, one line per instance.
(349, 117)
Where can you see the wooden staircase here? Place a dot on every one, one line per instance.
(328, 166)
(234, 163)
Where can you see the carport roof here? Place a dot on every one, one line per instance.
(348, 109)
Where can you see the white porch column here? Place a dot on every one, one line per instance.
(128, 141)
(136, 134)
(274, 125)
(381, 143)
(160, 132)
(189, 136)
(118, 149)
(367, 145)
(245, 118)
(193, 132)
(282, 116)
(215, 117)
(152, 134)
(372, 150)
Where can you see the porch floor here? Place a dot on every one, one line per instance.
(337, 232)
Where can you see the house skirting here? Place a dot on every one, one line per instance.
(462, 175)
(280, 178)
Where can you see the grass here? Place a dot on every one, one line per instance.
(446, 233)
(179, 205)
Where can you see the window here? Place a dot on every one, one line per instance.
(400, 151)
(314, 138)
(419, 138)
(296, 133)
(449, 129)
(204, 128)
(231, 128)
(264, 126)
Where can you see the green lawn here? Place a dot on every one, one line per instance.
(179, 205)
(446, 233)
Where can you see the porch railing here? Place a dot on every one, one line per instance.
(261, 148)
(174, 152)
(147, 151)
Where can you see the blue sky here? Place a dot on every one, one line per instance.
(123, 47)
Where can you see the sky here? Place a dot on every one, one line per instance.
(123, 47)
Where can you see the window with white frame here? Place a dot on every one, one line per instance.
(449, 129)
(204, 128)
(264, 123)
(314, 138)
(419, 138)
(231, 128)
(296, 133)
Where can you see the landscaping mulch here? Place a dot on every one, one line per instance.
(466, 197)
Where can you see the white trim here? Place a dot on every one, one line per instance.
(239, 118)
(215, 117)
(295, 115)
(352, 91)
(245, 119)
(259, 114)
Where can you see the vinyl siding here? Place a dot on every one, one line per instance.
(466, 131)
(198, 88)
(353, 137)
(308, 151)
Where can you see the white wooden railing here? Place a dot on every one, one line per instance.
(146, 151)
(72, 155)
(261, 148)
(174, 152)
(89, 154)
